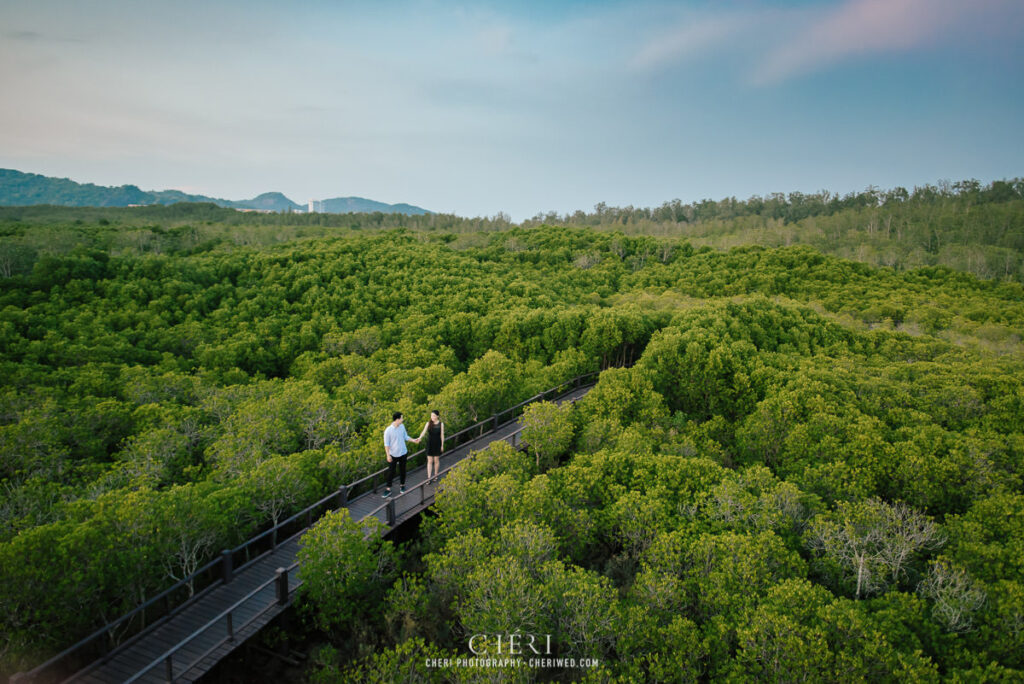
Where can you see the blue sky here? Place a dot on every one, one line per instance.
(525, 107)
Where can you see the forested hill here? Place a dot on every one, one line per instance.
(28, 189)
(814, 466)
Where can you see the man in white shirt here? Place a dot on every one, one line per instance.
(395, 438)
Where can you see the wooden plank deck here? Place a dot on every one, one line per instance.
(197, 657)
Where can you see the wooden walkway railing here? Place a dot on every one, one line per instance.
(214, 578)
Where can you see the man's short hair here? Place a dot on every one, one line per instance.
(396, 415)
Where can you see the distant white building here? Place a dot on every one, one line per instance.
(312, 206)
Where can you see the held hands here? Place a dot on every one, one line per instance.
(417, 440)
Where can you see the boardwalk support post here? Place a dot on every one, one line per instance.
(168, 669)
(390, 512)
(281, 581)
(231, 627)
(342, 496)
(227, 570)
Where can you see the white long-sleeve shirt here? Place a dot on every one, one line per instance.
(394, 440)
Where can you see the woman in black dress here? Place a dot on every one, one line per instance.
(434, 430)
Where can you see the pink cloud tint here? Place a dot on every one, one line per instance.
(860, 27)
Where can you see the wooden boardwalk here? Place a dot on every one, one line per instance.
(218, 620)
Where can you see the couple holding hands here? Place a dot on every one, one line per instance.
(395, 437)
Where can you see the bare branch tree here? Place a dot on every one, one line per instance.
(955, 595)
(872, 541)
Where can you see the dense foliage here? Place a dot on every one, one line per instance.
(161, 404)
(159, 408)
(765, 495)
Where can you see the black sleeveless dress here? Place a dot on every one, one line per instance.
(434, 439)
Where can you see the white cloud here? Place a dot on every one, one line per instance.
(690, 39)
(494, 40)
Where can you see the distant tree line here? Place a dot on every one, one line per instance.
(791, 207)
(965, 226)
